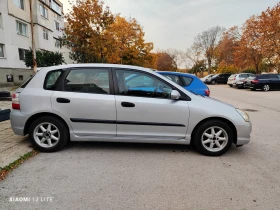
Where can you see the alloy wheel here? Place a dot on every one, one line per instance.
(214, 139)
(266, 87)
(46, 135)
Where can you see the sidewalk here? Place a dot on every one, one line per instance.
(11, 145)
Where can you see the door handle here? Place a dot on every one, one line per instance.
(127, 104)
(63, 100)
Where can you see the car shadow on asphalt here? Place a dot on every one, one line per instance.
(140, 147)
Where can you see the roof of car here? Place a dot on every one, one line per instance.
(93, 65)
(176, 73)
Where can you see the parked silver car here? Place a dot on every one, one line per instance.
(235, 78)
(117, 103)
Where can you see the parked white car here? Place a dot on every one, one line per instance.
(233, 79)
(207, 77)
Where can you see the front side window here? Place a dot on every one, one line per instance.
(45, 34)
(88, 81)
(51, 79)
(21, 28)
(21, 53)
(1, 51)
(19, 3)
(138, 84)
(173, 78)
(43, 11)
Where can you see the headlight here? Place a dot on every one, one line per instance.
(243, 114)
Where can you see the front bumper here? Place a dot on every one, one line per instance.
(243, 133)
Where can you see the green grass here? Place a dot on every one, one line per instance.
(7, 169)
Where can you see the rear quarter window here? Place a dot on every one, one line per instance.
(187, 80)
(51, 79)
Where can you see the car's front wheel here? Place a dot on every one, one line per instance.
(48, 134)
(213, 82)
(213, 138)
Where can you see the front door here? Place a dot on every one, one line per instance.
(87, 102)
(144, 107)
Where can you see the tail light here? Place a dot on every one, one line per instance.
(207, 92)
(15, 101)
(255, 81)
(234, 78)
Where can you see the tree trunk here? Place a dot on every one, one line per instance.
(209, 65)
(257, 68)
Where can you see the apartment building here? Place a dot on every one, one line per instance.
(15, 33)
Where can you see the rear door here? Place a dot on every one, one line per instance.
(87, 100)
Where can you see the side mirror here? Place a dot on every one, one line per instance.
(175, 95)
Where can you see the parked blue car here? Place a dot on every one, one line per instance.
(188, 81)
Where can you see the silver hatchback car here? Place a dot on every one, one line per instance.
(118, 103)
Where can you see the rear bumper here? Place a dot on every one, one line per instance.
(18, 121)
(243, 133)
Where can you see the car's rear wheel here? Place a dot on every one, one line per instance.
(213, 138)
(230, 85)
(48, 134)
(266, 87)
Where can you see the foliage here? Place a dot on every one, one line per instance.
(95, 35)
(198, 67)
(223, 68)
(165, 62)
(44, 58)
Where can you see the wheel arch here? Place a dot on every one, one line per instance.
(228, 122)
(35, 116)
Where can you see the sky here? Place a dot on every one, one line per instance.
(175, 23)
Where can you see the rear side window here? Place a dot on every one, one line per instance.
(173, 78)
(278, 76)
(243, 75)
(187, 80)
(263, 76)
(273, 76)
(88, 81)
(51, 79)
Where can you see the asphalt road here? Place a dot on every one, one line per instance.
(145, 176)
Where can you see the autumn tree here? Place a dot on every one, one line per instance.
(165, 62)
(127, 43)
(87, 22)
(269, 28)
(207, 41)
(249, 51)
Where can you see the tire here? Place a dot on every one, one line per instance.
(253, 89)
(225, 142)
(213, 82)
(266, 87)
(230, 85)
(57, 139)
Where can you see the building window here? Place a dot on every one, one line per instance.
(1, 51)
(45, 34)
(19, 3)
(22, 53)
(56, 25)
(43, 11)
(1, 24)
(20, 77)
(56, 7)
(21, 28)
(57, 43)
